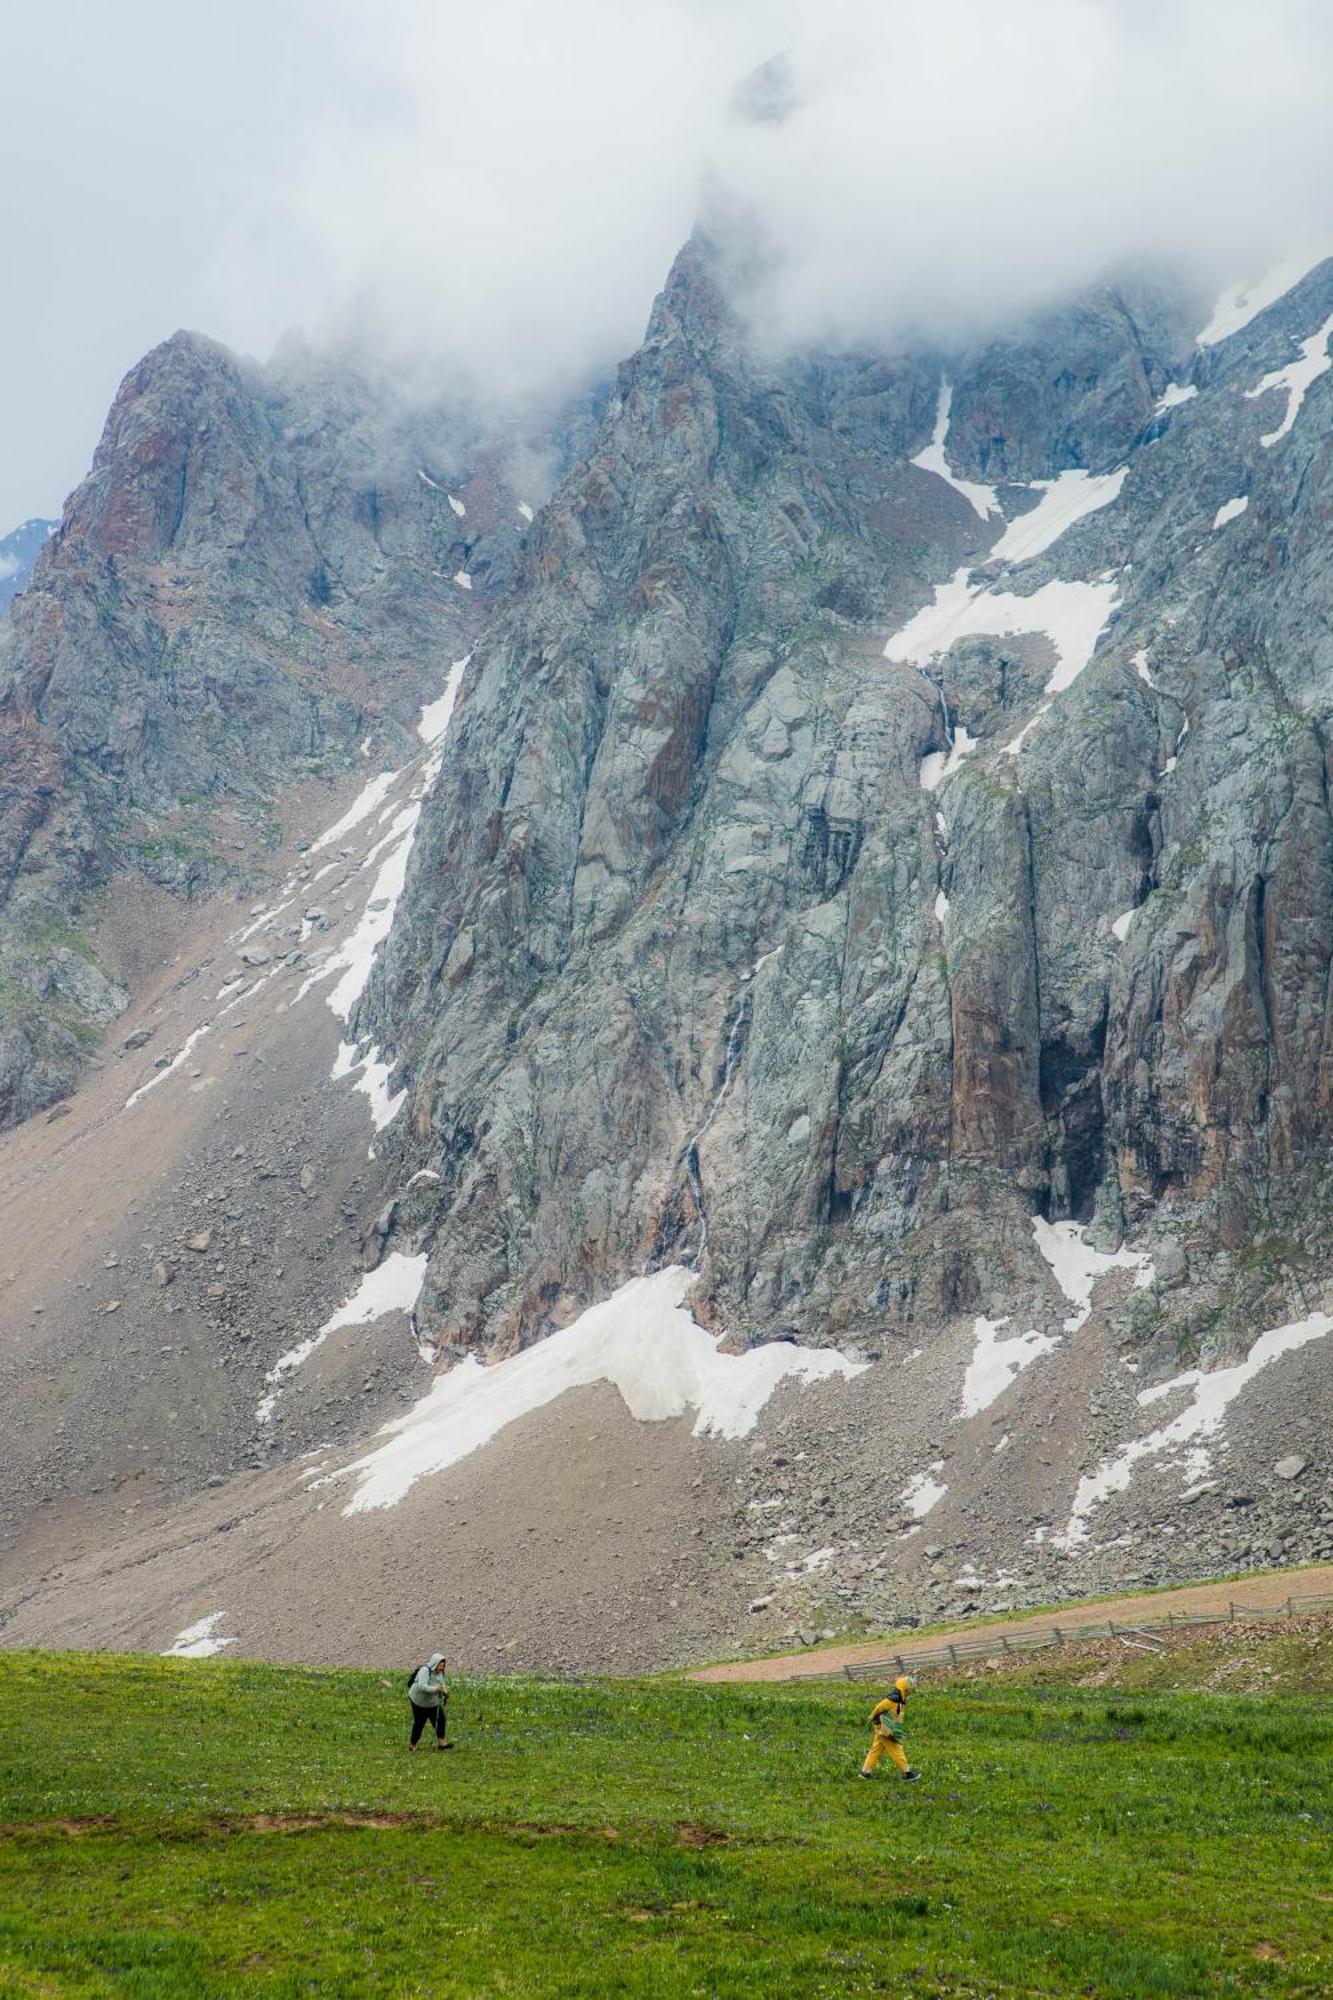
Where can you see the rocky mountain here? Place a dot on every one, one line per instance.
(262, 572)
(838, 977)
(19, 550)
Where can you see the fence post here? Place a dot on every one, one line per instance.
(899, 1659)
(1058, 1637)
(1231, 1607)
(1004, 1643)
(1288, 1607)
(953, 1655)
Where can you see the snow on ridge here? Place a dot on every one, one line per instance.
(1242, 303)
(1064, 500)
(982, 499)
(996, 1363)
(1192, 1432)
(198, 1641)
(1077, 1266)
(1296, 378)
(642, 1339)
(1231, 510)
(393, 1286)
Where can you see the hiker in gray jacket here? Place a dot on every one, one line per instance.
(428, 1695)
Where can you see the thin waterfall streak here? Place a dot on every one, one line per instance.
(693, 1169)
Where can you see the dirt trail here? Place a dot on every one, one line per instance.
(1257, 1592)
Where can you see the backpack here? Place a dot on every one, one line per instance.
(412, 1679)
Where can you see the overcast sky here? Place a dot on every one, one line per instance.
(494, 188)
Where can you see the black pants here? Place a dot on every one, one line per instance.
(421, 1716)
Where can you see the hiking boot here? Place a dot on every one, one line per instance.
(865, 1774)
(909, 1775)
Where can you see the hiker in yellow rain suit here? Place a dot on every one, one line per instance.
(886, 1724)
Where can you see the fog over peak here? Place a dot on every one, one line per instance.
(493, 194)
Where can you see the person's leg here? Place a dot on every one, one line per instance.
(873, 1754)
(440, 1723)
(894, 1749)
(418, 1723)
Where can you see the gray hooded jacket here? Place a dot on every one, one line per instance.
(428, 1688)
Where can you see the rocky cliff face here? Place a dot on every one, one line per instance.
(263, 568)
(731, 940)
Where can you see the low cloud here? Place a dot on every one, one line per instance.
(489, 195)
(506, 190)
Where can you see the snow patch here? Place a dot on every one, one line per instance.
(525, 510)
(1296, 378)
(941, 908)
(1230, 510)
(373, 1082)
(1192, 1432)
(1173, 396)
(436, 716)
(1174, 758)
(996, 1362)
(393, 1286)
(457, 506)
(363, 805)
(924, 1491)
(642, 1339)
(462, 579)
(1064, 500)
(1015, 743)
(200, 1640)
(1120, 925)
(356, 954)
(940, 764)
(1140, 665)
(1072, 616)
(197, 1035)
(934, 459)
(1077, 1266)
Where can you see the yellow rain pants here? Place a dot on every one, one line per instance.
(884, 1745)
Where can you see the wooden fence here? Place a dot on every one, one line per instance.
(995, 1640)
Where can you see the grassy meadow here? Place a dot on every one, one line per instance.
(203, 1827)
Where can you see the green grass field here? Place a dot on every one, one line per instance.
(178, 1827)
